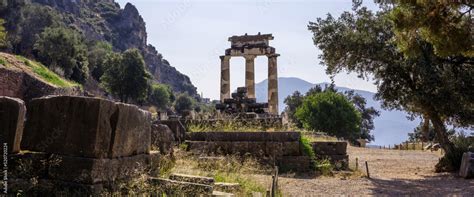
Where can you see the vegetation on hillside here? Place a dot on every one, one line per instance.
(126, 76)
(3, 34)
(438, 87)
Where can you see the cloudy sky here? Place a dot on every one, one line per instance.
(192, 34)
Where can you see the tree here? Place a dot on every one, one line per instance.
(183, 103)
(446, 25)
(292, 103)
(3, 34)
(367, 114)
(424, 85)
(96, 56)
(160, 96)
(63, 48)
(126, 76)
(332, 113)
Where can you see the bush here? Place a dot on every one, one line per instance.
(332, 113)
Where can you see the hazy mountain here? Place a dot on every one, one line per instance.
(391, 127)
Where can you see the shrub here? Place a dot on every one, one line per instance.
(452, 162)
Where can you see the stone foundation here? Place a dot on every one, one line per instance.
(336, 152)
(467, 165)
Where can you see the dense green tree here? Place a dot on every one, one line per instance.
(292, 103)
(3, 34)
(367, 114)
(25, 28)
(447, 25)
(332, 113)
(63, 48)
(126, 76)
(183, 103)
(96, 56)
(160, 96)
(425, 84)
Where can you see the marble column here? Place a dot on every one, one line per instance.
(272, 84)
(250, 75)
(225, 77)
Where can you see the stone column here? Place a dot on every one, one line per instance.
(225, 77)
(250, 75)
(273, 84)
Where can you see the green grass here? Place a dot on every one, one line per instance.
(2, 61)
(47, 74)
(248, 185)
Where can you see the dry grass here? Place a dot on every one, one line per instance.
(231, 169)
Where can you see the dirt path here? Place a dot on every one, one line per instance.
(393, 172)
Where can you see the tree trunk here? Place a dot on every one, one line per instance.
(442, 134)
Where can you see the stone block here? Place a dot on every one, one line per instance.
(330, 148)
(340, 162)
(12, 117)
(274, 149)
(227, 187)
(86, 127)
(294, 163)
(291, 148)
(162, 138)
(91, 170)
(192, 179)
(179, 188)
(467, 165)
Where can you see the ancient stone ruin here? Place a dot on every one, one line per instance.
(249, 47)
(75, 144)
(242, 106)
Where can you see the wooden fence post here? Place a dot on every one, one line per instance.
(367, 168)
(357, 163)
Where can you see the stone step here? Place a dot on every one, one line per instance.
(227, 187)
(179, 188)
(192, 179)
(221, 194)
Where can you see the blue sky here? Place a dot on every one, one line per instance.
(192, 34)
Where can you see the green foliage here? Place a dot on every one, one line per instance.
(183, 103)
(3, 34)
(440, 88)
(331, 113)
(452, 160)
(367, 114)
(160, 96)
(445, 25)
(307, 147)
(63, 48)
(292, 103)
(324, 167)
(126, 76)
(27, 22)
(97, 54)
(46, 74)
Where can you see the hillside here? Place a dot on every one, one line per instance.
(101, 20)
(26, 79)
(391, 127)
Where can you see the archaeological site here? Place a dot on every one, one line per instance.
(118, 98)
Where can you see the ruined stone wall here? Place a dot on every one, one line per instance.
(76, 144)
(19, 84)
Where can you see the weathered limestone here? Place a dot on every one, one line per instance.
(227, 187)
(467, 165)
(250, 46)
(86, 127)
(162, 138)
(180, 188)
(192, 179)
(225, 77)
(250, 75)
(336, 152)
(272, 84)
(12, 117)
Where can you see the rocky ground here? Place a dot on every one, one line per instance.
(393, 172)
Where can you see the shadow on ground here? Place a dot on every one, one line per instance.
(439, 185)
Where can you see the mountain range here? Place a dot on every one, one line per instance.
(391, 127)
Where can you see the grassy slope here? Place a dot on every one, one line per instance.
(40, 70)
